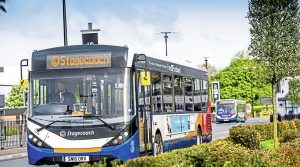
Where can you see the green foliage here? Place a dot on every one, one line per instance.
(217, 153)
(221, 152)
(237, 80)
(265, 130)
(261, 108)
(11, 131)
(274, 30)
(266, 145)
(290, 135)
(15, 98)
(247, 136)
(287, 131)
(275, 37)
(294, 91)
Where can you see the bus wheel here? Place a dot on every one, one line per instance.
(158, 144)
(199, 136)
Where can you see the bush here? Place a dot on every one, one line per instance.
(283, 156)
(266, 145)
(297, 124)
(218, 153)
(265, 130)
(247, 136)
(289, 135)
(287, 130)
(11, 131)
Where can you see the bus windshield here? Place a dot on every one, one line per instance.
(225, 109)
(61, 94)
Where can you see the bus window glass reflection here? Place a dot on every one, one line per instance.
(188, 94)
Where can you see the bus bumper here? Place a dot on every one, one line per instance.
(226, 120)
(125, 151)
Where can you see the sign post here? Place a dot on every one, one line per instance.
(215, 91)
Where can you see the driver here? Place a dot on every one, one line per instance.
(63, 96)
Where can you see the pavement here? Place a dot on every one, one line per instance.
(12, 153)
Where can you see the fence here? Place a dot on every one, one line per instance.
(12, 133)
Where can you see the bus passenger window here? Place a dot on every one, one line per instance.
(178, 90)
(167, 93)
(197, 98)
(204, 94)
(188, 94)
(156, 91)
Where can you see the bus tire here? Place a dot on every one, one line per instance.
(158, 144)
(199, 136)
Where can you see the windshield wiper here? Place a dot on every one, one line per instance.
(98, 117)
(48, 125)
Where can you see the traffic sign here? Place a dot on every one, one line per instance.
(24, 83)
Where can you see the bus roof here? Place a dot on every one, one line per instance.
(170, 67)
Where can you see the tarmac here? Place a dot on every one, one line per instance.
(13, 153)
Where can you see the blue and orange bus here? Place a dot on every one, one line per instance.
(124, 105)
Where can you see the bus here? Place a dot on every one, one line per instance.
(124, 106)
(230, 110)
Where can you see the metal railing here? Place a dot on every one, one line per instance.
(12, 133)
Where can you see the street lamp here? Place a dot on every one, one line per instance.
(166, 40)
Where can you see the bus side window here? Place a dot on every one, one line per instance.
(178, 90)
(188, 94)
(156, 91)
(168, 93)
(204, 94)
(197, 98)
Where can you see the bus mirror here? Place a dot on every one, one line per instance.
(145, 78)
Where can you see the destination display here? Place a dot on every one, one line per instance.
(84, 60)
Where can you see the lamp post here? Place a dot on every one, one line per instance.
(166, 40)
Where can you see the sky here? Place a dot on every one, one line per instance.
(216, 29)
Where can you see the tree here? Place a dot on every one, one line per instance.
(241, 81)
(294, 91)
(274, 31)
(212, 70)
(15, 98)
(1, 6)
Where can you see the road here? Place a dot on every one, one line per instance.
(222, 130)
(219, 131)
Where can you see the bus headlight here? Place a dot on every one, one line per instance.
(34, 140)
(120, 138)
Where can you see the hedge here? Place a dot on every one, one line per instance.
(225, 152)
(250, 135)
(219, 153)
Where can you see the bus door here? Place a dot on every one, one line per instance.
(144, 110)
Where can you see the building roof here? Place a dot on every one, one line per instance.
(11, 112)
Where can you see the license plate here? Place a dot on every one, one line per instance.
(77, 159)
(226, 120)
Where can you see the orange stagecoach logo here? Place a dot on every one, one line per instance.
(86, 60)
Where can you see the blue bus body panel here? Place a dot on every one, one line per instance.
(179, 143)
(34, 153)
(127, 150)
(227, 119)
